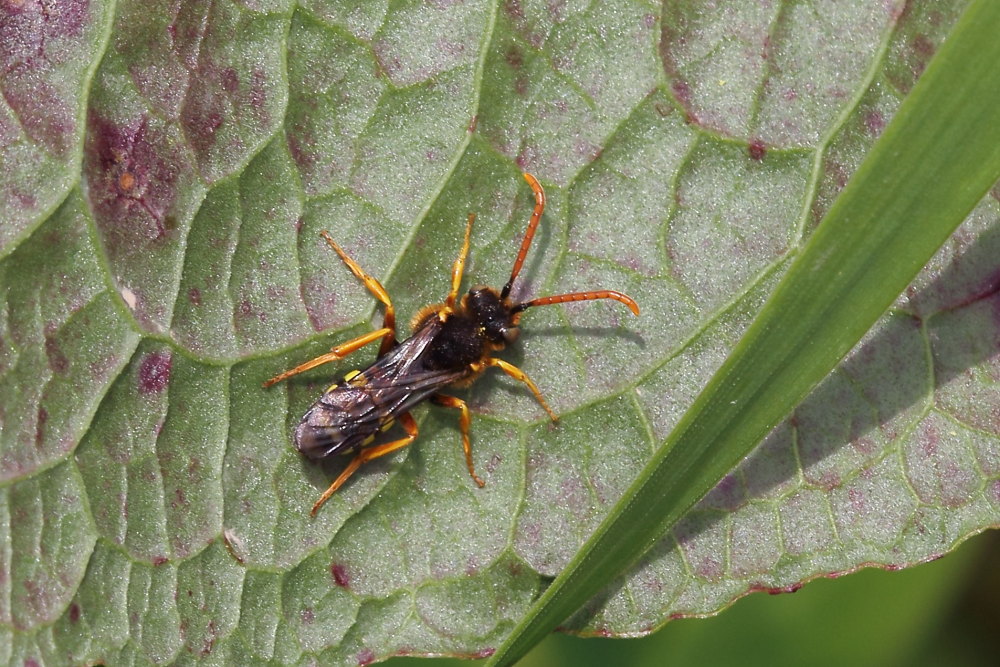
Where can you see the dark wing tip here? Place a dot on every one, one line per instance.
(317, 442)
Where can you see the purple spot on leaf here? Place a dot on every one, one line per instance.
(757, 150)
(727, 494)
(923, 46)
(514, 57)
(513, 9)
(682, 91)
(857, 500)
(25, 199)
(365, 657)
(450, 47)
(527, 157)
(301, 145)
(388, 64)
(132, 182)
(206, 107)
(521, 86)
(57, 360)
(929, 446)
(154, 372)
(340, 575)
(709, 567)
(27, 33)
(209, 643)
(258, 92)
(828, 481)
(43, 416)
(874, 122)
(230, 80)
(839, 174)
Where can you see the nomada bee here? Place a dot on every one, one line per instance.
(451, 346)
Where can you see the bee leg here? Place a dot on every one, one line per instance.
(375, 287)
(463, 427)
(367, 454)
(518, 374)
(336, 354)
(459, 267)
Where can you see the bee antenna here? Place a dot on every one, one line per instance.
(529, 234)
(579, 296)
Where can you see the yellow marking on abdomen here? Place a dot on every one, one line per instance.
(347, 380)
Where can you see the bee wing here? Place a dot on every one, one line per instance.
(347, 416)
(403, 364)
(400, 379)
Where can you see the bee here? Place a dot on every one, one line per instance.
(452, 345)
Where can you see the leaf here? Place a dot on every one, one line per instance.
(167, 171)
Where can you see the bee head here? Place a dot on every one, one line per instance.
(493, 314)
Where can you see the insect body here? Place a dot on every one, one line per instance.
(452, 345)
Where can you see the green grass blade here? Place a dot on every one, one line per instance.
(933, 163)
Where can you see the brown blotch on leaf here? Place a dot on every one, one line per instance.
(514, 57)
(126, 181)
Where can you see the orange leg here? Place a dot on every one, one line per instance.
(459, 268)
(367, 454)
(336, 354)
(518, 374)
(463, 427)
(375, 287)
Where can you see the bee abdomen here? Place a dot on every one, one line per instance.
(338, 423)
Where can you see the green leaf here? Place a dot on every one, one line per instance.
(167, 170)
